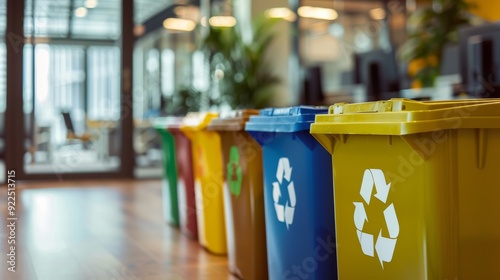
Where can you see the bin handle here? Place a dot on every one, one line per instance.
(367, 107)
(402, 104)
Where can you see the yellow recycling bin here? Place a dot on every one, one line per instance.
(209, 178)
(415, 189)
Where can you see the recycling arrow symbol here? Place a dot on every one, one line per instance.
(384, 246)
(234, 173)
(284, 212)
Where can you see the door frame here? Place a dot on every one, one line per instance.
(14, 130)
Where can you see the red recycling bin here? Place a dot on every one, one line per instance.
(185, 180)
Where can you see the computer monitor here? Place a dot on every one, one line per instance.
(378, 72)
(450, 64)
(480, 60)
(313, 87)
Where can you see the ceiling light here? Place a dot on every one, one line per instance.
(282, 12)
(81, 12)
(377, 14)
(90, 4)
(318, 13)
(179, 24)
(222, 21)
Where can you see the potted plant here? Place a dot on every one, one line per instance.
(238, 69)
(185, 100)
(431, 29)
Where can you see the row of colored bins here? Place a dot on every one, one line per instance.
(192, 182)
(287, 197)
(414, 194)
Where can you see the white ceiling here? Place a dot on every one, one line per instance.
(52, 17)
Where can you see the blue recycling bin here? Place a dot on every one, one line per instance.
(298, 194)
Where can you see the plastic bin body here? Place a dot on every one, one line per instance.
(479, 209)
(414, 188)
(298, 195)
(185, 181)
(208, 181)
(169, 181)
(243, 196)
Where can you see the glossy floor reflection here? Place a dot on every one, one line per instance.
(100, 230)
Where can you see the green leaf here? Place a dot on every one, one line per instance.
(431, 32)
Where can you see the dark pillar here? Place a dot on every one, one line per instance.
(127, 122)
(14, 118)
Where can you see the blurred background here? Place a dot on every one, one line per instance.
(81, 80)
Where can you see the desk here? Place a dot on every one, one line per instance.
(43, 135)
(101, 130)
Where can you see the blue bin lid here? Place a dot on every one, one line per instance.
(291, 119)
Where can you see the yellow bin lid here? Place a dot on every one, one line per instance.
(197, 121)
(403, 116)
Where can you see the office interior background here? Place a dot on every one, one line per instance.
(110, 67)
(82, 81)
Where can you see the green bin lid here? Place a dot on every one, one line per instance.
(232, 120)
(403, 116)
(167, 122)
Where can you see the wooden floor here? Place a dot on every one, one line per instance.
(100, 230)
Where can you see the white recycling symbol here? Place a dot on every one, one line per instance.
(384, 246)
(284, 212)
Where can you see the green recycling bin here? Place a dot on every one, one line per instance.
(169, 182)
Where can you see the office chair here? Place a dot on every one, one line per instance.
(85, 138)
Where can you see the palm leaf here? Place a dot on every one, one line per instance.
(246, 75)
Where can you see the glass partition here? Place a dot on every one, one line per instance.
(72, 86)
